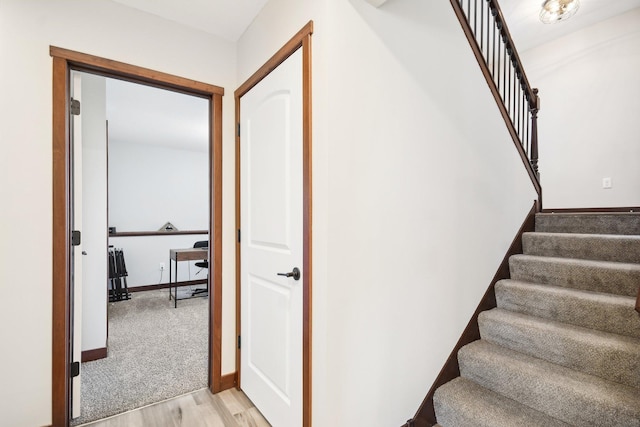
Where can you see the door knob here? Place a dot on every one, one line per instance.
(295, 274)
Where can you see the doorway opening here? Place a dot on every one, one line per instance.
(151, 165)
(64, 61)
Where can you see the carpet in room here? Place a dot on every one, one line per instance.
(155, 352)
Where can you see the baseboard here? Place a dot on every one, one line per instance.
(95, 354)
(229, 381)
(592, 210)
(167, 285)
(426, 416)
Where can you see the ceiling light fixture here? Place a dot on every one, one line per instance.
(558, 10)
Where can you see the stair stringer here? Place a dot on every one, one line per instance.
(425, 416)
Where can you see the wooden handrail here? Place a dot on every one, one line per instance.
(486, 30)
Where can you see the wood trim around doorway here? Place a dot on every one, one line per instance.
(63, 62)
(301, 40)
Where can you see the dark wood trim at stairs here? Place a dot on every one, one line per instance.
(592, 210)
(95, 354)
(426, 417)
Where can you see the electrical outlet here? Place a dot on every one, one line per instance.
(606, 182)
(162, 266)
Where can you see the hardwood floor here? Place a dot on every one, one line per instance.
(230, 408)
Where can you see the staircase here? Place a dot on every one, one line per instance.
(562, 347)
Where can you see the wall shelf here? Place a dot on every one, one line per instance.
(156, 233)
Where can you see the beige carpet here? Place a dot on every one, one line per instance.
(562, 347)
(155, 352)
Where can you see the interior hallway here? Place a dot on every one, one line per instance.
(230, 408)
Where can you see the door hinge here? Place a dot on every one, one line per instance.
(74, 369)
(238, 131)
(75, 107)
(238, 235)
(75, 238)
(238, 341)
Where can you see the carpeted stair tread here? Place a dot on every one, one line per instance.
(598, 311)
(608, 356)
(571, 396)
(463, 403)
(589, 223)
(598, 276)
(603, 247)
(564, 339)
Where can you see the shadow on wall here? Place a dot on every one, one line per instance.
(420, 35)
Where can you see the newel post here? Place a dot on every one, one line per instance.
(534, 132)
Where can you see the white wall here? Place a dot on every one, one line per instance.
(405, 186)
(94, 212)
(590, 101)
(150, 185)
(418, 192)
(107, 29)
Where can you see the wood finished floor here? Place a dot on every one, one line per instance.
(230, 408)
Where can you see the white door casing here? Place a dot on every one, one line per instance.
(271, 186)
(76, 251)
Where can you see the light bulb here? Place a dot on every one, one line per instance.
(558, 10)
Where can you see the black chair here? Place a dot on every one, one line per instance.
(202, 244)
(201, 264)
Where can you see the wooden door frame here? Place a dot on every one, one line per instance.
(301, 40)
(63, 62)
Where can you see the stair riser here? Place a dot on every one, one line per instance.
(580, 246)
(599, 354)
(464, 403)
(619, 279)
(615, 223)
(541, 387)
(607, 313)
(452, 414)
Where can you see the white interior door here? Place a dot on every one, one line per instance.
(271, 226)
(76, 251)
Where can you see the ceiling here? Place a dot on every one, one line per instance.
(224, 18)
(148, 115)
(527, 31)
(230, 18)
(159, 117)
